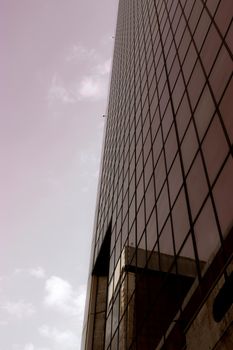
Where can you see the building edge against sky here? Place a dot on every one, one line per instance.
(161, 273)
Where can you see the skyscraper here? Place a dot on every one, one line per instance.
(161, 264)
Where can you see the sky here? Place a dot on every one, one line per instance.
(55, 70)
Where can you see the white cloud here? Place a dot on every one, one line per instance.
(79, 53)
(61, 296)
(37, 272)
(19, 309)
(91, 87)
(31, 346)
(105, 67)
(58, 291)
(80, 301)
(95, 85)
(58, 92)
(66, 338)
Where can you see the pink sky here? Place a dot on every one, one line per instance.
(55, 64)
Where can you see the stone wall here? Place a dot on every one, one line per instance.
(205, 333)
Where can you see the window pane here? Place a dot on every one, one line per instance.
(180, 220)
(197, 186)
(196, 84)
(224, 15)
(189, 147)
(223, 195)
(160, 174)
(219, 76)
(206, 233)
(171, 147)
(151, 231)
(162, 207)
(215, 148)
(165, 240)
(175, 179)
(210, 48)
(183, 116)
(226, 108)
(204, 112)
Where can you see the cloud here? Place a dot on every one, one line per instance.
(79, 53)
(95, 85)
(59, 291)
(80, 301)
(19, 309)
(58, 92)
(30, 346)
(37, 272)
(105, 67)
(91, 86)
(66, 338)
(60, 296)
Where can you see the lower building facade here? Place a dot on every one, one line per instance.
(161, 270)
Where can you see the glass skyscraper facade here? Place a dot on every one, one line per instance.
(163, 235)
